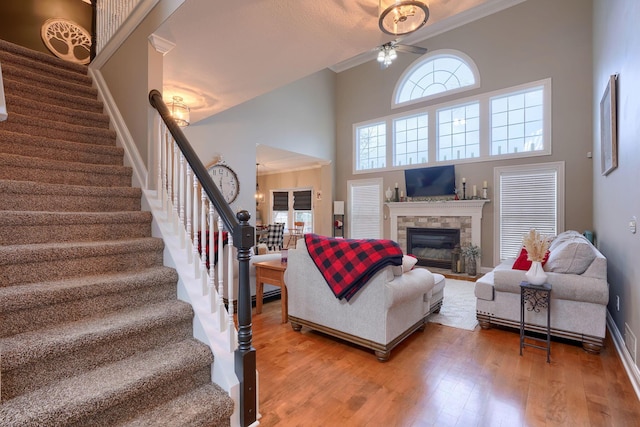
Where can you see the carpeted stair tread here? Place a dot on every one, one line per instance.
(31, 227)
(36, 305)
(53, 97)
(206, 406)
(50, 81)
(26, 348)
(49, 148)
(36, 108)
(51, 129)
(21, 264)
(11, 52)
(37, 196)
(82, 398)
(22, 168)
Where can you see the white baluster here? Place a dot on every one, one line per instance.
(213, 294)
(188, 208)
(220, 269)
(176, 187)
(233, 342)
(203, 236)
(181, 201)
(195, 222)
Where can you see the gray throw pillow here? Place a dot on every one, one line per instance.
(572, 256)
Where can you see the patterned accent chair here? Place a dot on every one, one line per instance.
(274, 237)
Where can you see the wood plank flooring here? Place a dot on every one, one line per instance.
(440, 377)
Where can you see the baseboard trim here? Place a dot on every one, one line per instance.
(627, 361)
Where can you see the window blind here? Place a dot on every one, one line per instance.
(528, 199)
(280, 200)
(365, 207)
(302, 200)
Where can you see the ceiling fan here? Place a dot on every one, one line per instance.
(388, 52)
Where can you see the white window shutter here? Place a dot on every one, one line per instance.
(528, 198)
(365, 209)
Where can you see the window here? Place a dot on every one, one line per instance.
(459, 132)
(517, 122)
(371, 146)
(436, 74)
(365, 208)
(290, 206)
(411, 140)
(511, 122)
(529, 196)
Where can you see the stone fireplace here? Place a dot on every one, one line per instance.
(462, 215)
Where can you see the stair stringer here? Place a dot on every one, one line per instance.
(205, 325)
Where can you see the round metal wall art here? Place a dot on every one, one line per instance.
(67, 40)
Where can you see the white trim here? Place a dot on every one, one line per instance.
(3, 104)
(364, 182)
(123, 137)
(627, 361)
(160, 44)
(431, 56)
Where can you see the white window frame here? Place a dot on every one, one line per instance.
(408, 73)
(484, 101)
(356, 145)
(308, 228)
(354, 220)
(554, 167)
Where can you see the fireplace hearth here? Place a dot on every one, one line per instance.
(432, 246)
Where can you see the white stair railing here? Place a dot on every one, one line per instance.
(110, 15)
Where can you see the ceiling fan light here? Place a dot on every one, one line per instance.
(398, 17)
(392, 54)
(180, 112)
(381, 56)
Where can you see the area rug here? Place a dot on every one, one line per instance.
(459, 306)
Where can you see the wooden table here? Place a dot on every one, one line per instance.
(272, 273)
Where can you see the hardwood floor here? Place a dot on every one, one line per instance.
(440, 377)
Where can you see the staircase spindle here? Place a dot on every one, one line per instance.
(188, 208)
(195, 221)
(182, 201)
(213, 294)
(203, 241)
(220, 271)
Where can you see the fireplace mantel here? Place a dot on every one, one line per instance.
(459, 208)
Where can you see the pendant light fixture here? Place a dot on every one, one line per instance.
(180, 111)
(398, 17)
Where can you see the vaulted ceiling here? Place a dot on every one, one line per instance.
(227, 52)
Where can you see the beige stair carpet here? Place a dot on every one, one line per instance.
(91, 330)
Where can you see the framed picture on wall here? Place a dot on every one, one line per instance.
(608, 127)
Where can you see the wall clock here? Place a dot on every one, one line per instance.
(226, 180)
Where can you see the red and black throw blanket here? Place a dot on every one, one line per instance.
(347, 264)
(225, 240)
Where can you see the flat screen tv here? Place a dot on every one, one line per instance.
(430, 182)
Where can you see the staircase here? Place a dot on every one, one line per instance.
(91, 330)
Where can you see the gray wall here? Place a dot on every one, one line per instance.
(527, 42)
(298, 117)
(616, 196)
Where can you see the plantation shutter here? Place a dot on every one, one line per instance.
(280, 200)
(302, 200)
(365, 209)
(528, 199)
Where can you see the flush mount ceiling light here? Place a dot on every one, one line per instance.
(398, 17)
(180, 111)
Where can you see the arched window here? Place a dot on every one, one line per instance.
(436, 74)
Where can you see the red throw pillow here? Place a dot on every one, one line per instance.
(523, 263)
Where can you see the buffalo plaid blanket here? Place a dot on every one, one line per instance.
(347, 264)
(225, 240)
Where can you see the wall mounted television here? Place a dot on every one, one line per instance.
(430, 182)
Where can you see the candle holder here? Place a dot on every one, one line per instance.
(484, 193)
(397, 198)
(464, 191)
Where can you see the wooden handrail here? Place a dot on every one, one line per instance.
(243, 239)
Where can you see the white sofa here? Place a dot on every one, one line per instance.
(270, 291)
(384, 312)
(577, 272)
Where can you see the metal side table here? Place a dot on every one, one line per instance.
(535, 297)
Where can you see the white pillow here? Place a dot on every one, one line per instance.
(408, 262)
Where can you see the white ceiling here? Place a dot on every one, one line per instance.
(227, 52)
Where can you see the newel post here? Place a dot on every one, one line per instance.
(245, 354)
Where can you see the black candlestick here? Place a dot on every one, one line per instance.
(464, 191)
(397, 199)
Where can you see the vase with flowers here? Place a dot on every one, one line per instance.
(537, 246)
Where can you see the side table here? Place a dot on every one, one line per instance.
(535, 297)
(271, 272)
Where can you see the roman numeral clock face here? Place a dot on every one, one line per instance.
(226, 180)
